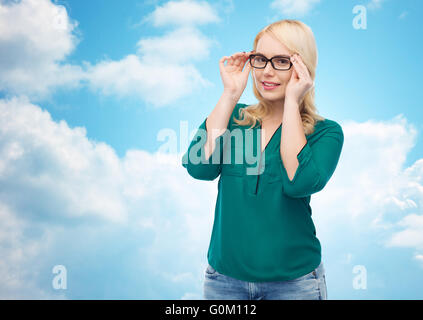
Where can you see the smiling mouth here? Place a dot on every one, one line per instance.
(269, 85)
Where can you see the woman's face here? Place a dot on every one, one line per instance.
(270, 47)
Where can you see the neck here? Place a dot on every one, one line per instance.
(276, 111)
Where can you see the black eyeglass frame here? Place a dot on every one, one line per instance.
(252, 56)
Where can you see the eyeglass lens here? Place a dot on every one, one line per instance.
(279, 62)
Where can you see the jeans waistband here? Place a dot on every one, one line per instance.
(320, 270)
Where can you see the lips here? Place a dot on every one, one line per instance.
(268, 83)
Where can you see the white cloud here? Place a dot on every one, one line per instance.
(182, 45)
(66, 199)
(183, 13)
(419, 258)
(376, 153)
(410, 228)
(375, 4)
(156, 83)
(294, 7)
(226, 6)
(16, 252)
(378, 202)
(36, 36)
(412, 235)
(163, 69)
(40, 156)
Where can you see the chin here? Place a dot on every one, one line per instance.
(272, 97)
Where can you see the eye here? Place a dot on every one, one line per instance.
(282, 61)
(260, 59)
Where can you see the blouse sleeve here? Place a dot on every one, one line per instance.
(317, 163)
(194, 159)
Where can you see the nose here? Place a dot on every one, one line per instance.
(268, 69)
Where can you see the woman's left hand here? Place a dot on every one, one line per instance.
(300, 81)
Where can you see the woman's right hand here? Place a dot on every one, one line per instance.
(233, 77)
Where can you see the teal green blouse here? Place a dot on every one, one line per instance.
(263, 230)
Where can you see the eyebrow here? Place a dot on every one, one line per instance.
(279, 55)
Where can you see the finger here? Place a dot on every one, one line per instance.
(229, 62)
(246, 57)
(294, 74)
(303, 70)
(246, 61)
(302, 67)
(247, 67)
(297, 68)
(241, 58)
(304, 73)
(250, 53)
(223, 59)
(238, 59)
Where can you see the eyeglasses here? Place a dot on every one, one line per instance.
(278, 62)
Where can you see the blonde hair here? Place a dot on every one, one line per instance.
(298, 38)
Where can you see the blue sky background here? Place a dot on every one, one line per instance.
(84, 97)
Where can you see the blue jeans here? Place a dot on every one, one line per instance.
(311, 286)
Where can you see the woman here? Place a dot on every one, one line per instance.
(263, 244)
